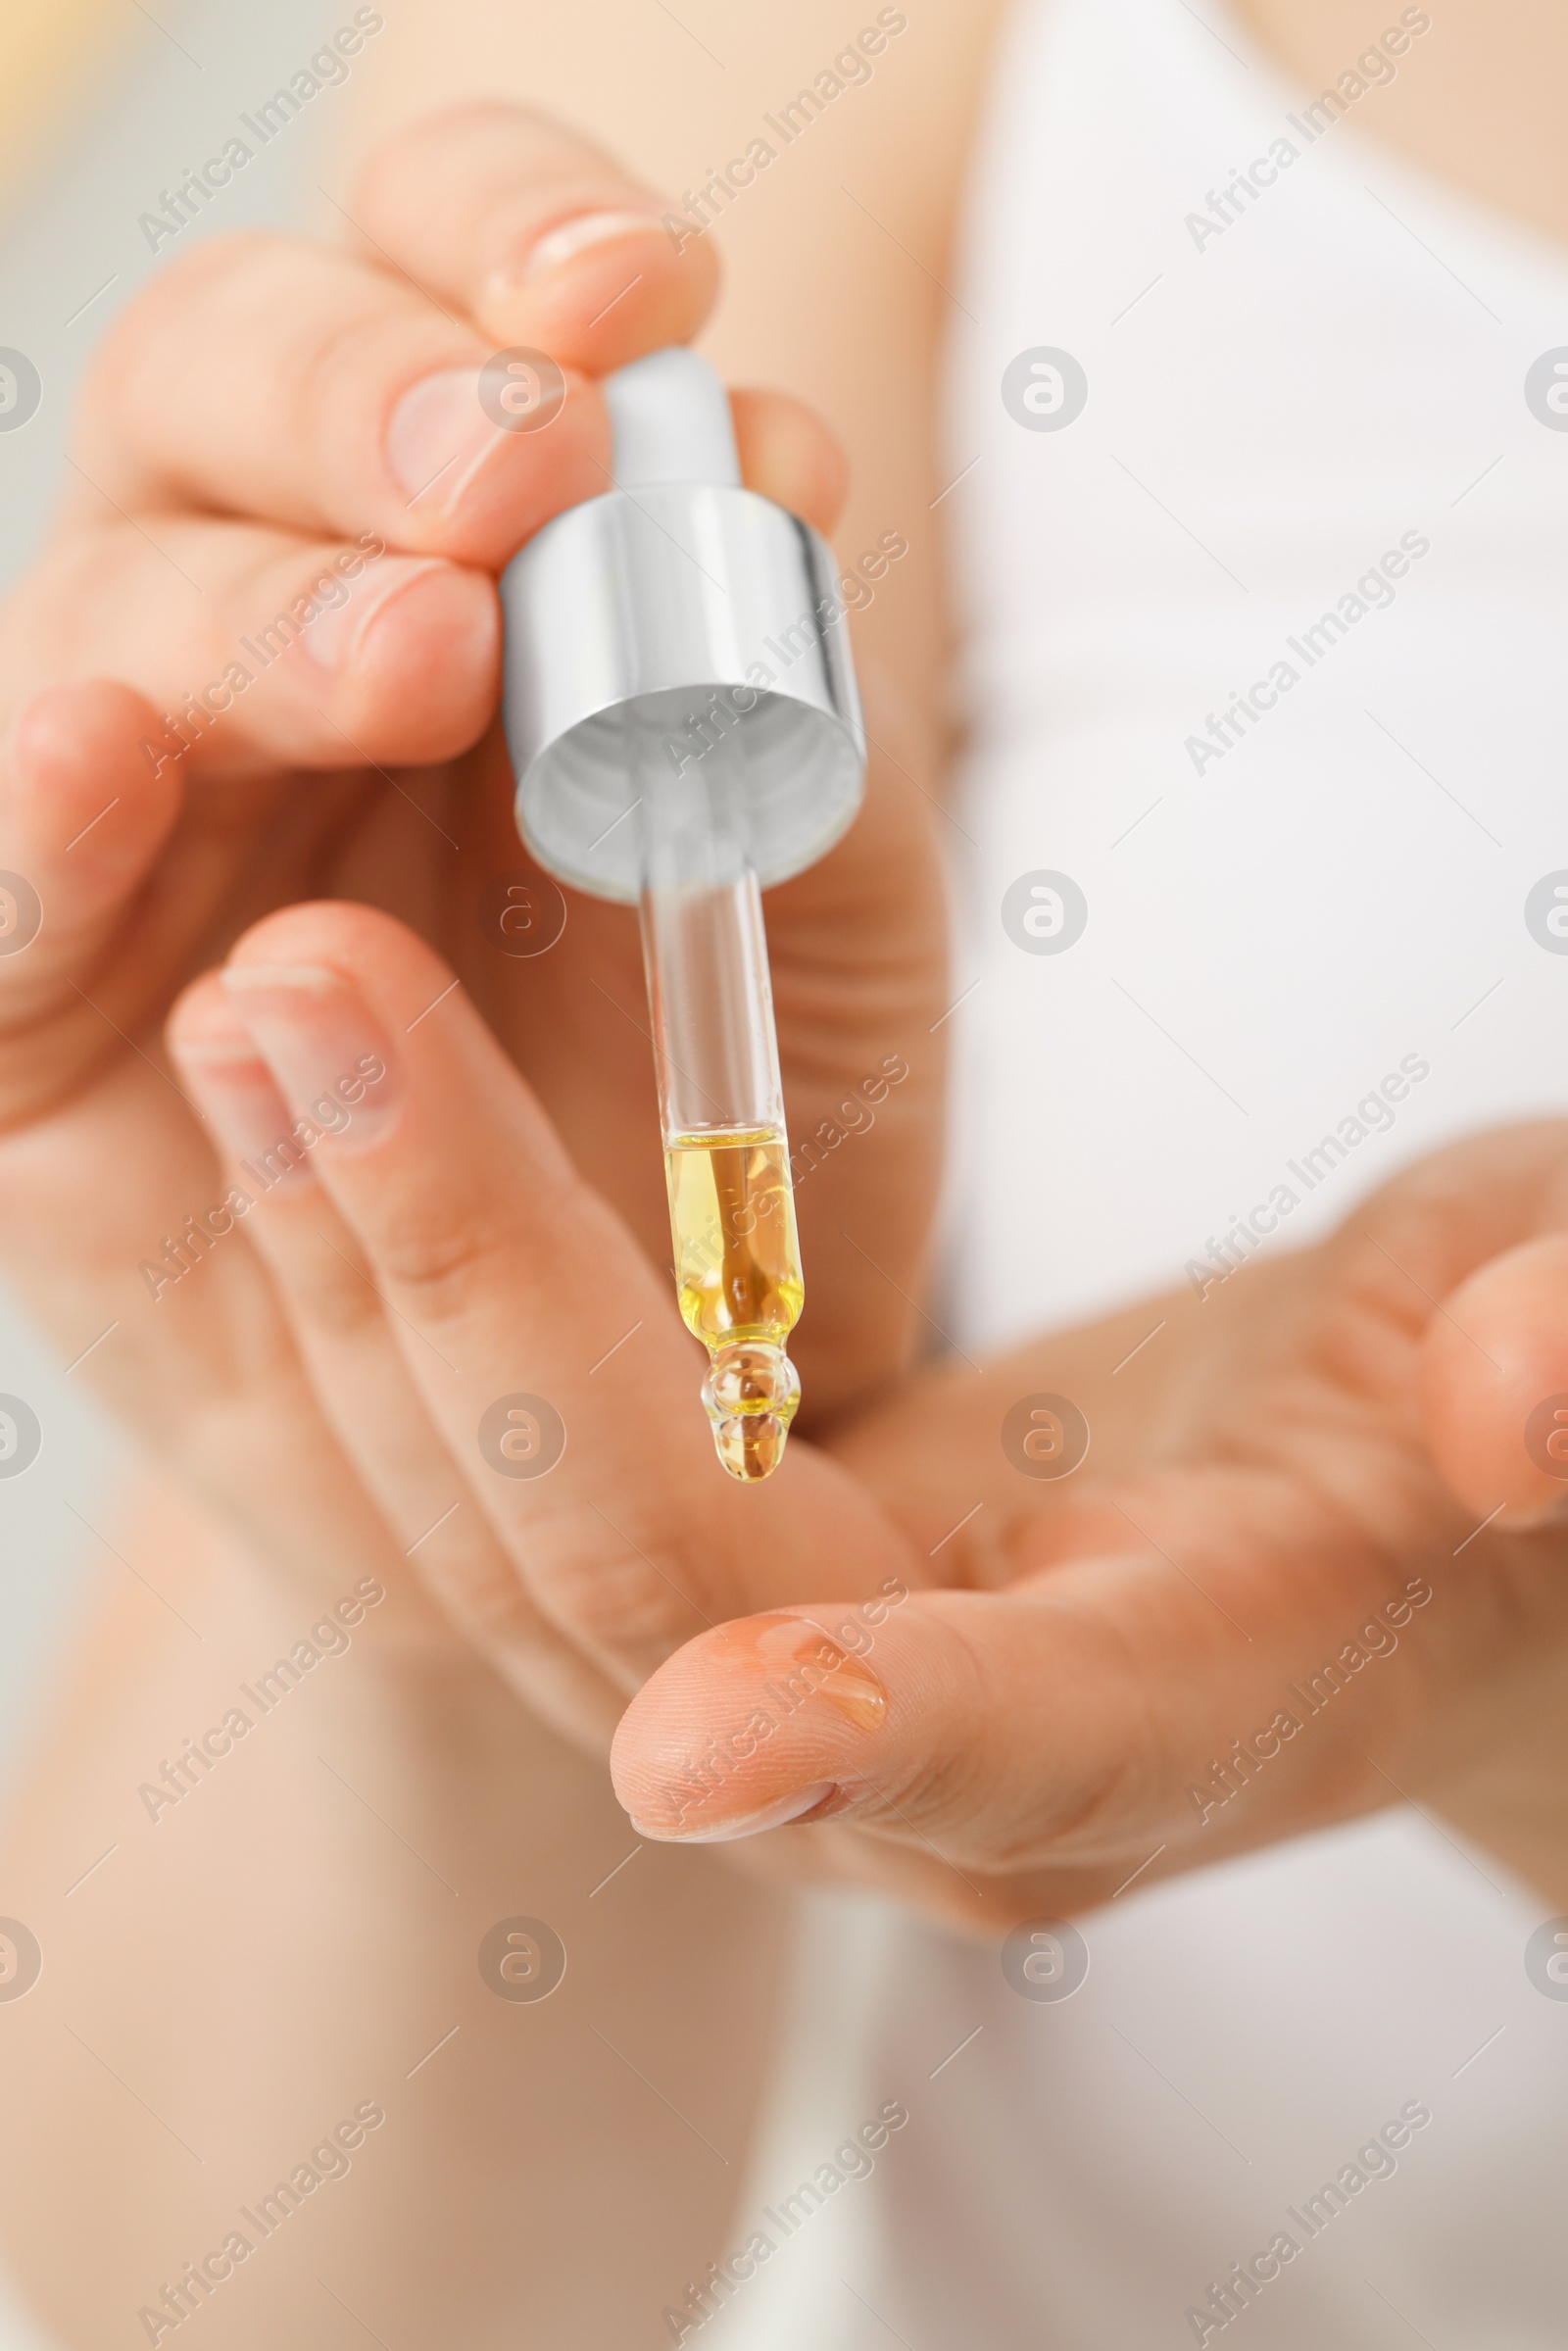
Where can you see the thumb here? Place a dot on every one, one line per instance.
(1000, 1721)
(1495, 1385)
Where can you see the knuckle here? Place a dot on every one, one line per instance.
(443, 1266)
(486, 132)
(337, 1300)
(73, 596)
(485, 1586)
(609, 1597)
(1096, 1793)
(226, 265)
(289, 339)
(144, 337)
(357, 353)
(351, 366)
(492, 116)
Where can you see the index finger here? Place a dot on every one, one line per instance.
(547, 1349)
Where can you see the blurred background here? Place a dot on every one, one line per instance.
(103, 103)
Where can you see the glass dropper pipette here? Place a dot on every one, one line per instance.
(681, 711)
(737, 1258)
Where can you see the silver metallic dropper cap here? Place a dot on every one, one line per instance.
(685, 619)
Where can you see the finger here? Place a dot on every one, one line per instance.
(788, 454)
(82, 819)
(548, 242)
(345, 1341)
(266, 377)
(980, 1722)
(182, 1337)
(83, 823)
(487, 1246)
(1494, 1378)
(258, 649)
(1104, 1717)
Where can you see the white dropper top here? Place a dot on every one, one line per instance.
(671, 420)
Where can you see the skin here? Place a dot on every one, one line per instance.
(1466, 106)
(1298, 1449)
(277, 1517)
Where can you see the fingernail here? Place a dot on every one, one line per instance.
(315, 979)
(335, 636)
(327, 1051)
(750, 1824)
(237, 1096)
(570, 237)
(438, 438)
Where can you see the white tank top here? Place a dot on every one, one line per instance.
(1306, 480)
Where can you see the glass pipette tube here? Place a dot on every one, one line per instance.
(721, 1107)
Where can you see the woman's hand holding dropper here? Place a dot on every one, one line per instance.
(262, 418)
(1266, 1601)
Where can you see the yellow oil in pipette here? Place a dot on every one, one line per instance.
(737, 1280)
(732, 1215)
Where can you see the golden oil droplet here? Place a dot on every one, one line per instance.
(751, 1394)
